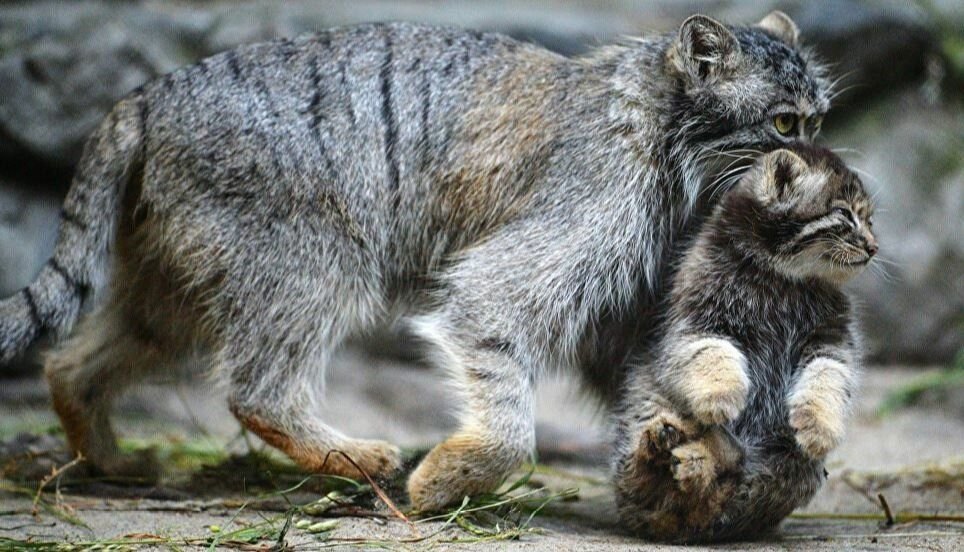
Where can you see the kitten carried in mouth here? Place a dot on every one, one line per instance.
(752, 380)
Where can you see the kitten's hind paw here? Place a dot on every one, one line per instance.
(663, 433)
(693, 468)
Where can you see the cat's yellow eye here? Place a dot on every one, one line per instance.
(785, 123)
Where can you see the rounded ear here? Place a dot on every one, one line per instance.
(781, 26)
(782, 167)
(705, 48)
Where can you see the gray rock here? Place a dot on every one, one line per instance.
(912, 304)
(28, 229)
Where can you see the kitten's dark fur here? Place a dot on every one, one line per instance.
(753, 378)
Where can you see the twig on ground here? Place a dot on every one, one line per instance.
(900, 517)
(886, 507)
(377, 490)
(55, 473)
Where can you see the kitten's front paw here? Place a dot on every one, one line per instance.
(715, 381)
(463, 465)
(819, 429)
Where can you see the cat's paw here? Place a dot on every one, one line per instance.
(819, 427)
(714, 381)
(663, 433)
(693, 467)
(140, 467)
(463, 465)
(698, 465)
(377, 459)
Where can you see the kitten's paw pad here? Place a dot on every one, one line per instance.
(662, 433)
(461, 466)
(818, 429)
(693, 468)
(717, 384)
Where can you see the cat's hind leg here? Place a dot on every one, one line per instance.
(106, 354)
(276, 396)
(278, 330)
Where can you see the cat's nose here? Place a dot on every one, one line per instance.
(871, 248)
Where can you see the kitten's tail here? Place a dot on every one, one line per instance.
(52, 302)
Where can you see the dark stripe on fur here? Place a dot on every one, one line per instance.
(496, 344)
(388, 116)
(343, 82)
(697, 353)
(32, 305)
(425, 100)
(799, 244)
(59, 269)
(71, 218)
(232, 60)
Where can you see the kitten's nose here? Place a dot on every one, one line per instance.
(871, 248)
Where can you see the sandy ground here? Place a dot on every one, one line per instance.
(914, 457)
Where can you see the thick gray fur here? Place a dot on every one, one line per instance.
(516, 207)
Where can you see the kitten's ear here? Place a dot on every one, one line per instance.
(705, 49)
(782, 168)
(781, 26)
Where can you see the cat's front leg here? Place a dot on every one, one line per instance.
(497, 425)
(819, 403)
(709, 374)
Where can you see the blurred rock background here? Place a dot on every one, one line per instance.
(900, 120)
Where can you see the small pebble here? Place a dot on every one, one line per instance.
(322, 526)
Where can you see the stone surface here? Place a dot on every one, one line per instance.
(911, 300)
(914, 457)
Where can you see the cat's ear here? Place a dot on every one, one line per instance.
(781, 26)
(782, 168)
(705, 49)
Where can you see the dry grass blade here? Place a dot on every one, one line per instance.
(377, 490)
(54, 474)
(886, 507)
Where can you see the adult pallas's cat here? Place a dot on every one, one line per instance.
(516, 207)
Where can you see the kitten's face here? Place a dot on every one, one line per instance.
(746, 90)
(814, 218)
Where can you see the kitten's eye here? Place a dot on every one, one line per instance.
(844, 212)
(785, 123)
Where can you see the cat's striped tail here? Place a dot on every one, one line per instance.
(51, 304)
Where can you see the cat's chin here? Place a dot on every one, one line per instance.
(840, 273)
(836, 273)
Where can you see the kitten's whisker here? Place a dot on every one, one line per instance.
(880, 270)
(855, 151)
(885, 261)
(865, 174)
